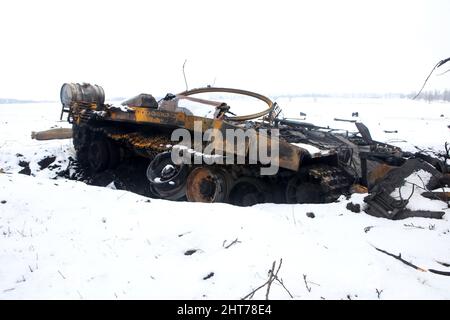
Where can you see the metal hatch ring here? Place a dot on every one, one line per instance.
(236, 91)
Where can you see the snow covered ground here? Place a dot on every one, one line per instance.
(63, 239)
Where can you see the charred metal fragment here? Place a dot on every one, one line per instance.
(380, 202)
(437, 195)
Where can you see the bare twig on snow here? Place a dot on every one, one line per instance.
(399, 257)
(273, 275)
(233, 242)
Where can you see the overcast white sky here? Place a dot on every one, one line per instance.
(272, 47)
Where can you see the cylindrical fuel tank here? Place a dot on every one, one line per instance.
(85, 92)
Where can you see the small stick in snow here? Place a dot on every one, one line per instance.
(378, 293)
(413, 226)
(399, 257)
(21, 280)
(282, 284)
(233, 242)
(367, 229)
(444, 264)
(272, 277)
(251, 294)
(183, 234)
(61, 275)
(293, 216)
(121, 195)
(306, 283)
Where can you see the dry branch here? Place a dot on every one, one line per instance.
(233, 242)
(378, 293)
(399, 257)
(271, 278)
(273, 275)
(444, 264)
(413, 226)
(306, 283)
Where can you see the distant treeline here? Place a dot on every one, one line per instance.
(5, 101)
(347, 95)
(432, 95)
(12, 101)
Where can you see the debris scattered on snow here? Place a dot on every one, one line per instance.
(44, 163)
(310, 215)
(64, 252)
(356, 208)
(399, 194)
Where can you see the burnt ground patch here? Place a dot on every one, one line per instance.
(130, 175)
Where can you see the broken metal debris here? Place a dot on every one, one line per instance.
(190, 252)
(381, 203)
(357, 188)
(356, 208)
(437, 195)
(310, 215)
(44, 163)
(344, 120)
(26, 167)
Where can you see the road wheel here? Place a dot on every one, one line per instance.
(114, 153)
(298, 191)
(249, 191)
(98, 155)
(167, 180)
(207, 184)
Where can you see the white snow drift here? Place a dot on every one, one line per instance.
(62, 239)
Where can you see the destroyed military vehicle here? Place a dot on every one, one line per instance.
(314, 164)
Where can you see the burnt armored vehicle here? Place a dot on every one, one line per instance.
(219, 158)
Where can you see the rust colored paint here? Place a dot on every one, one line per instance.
(357, 188)
(443, 196)
(142, 142)
(289, 155)
(377, 173)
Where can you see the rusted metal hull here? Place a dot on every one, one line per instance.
(289, 155)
